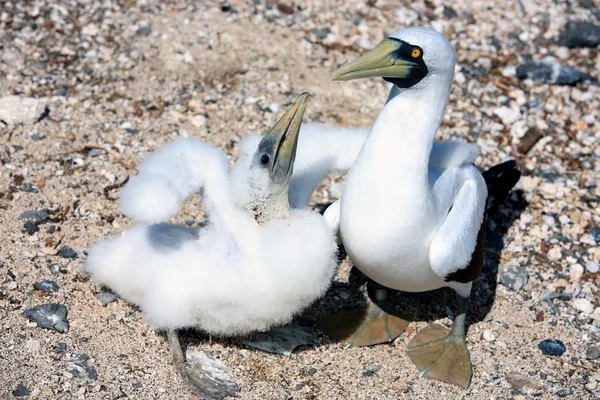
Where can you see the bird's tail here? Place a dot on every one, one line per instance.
(500, 179)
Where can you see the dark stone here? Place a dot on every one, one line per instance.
(595, 233)
(311, 371)
(20, 391)
(60, 348)
(580, 34)
(552, 73)
(552, 347)
(11, 274)
(111, 317)
(30, 227)
(37, 216)
(51, 229)
(592, 352)
(368, 373)
(49, 316)
(562, 393)
(106, 297)
(79, 366)
(321, 33)
(67, 252)
(450, 12)
(46, 286)
(299, 386)
(144, 30)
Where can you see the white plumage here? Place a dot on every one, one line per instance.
(254, 265)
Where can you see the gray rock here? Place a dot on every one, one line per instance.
(592, 352)
(552, 73)
(106, 297)
(595, 233)
(21, 110)
(54, 269)
(519, 381)
(513, 277)
(30, 227)
(580, 34)
(562, 393)
(283, 340)
(49, 316)
(552, 347)
(321, 33)
(549, 295)
(36, 216)
(67, 252)
(60, 348)
(144, 30)
(211, 376)
(46, 286)
(79, 366)
(20, 391)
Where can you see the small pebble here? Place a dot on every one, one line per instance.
(60, 348)
(576, 272)
(552, 347)
(513, 277)
(488, 335)
(592, 267)
(592, 352)
(20, 391)
(79, 366)
(583, 305)
(46, 286)
(54, 269)
(67, 252)
(106, 297)
(30, 227)
(595, 233)
(580, 34)
(562, 393)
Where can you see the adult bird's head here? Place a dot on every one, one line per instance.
(272, 164)
(405, 58)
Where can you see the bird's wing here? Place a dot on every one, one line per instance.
(332, 217)
(322, 150)
(463, 192)
(168, 176)
(452, 153)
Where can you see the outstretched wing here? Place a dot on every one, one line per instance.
(322, 150)
(168, 176)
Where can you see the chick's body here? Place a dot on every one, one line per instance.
(183, 277)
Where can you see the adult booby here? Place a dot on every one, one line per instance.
(255, 264)
(407, 223)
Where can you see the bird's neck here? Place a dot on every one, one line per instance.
(402, 137)
(277, 207)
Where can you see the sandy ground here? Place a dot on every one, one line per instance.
(121, 78)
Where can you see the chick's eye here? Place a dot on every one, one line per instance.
(416, 53)
(264, 159)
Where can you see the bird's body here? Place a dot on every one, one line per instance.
(403, 201)
(412, 210)
(254, 264)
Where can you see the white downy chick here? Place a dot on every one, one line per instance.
(255, 264)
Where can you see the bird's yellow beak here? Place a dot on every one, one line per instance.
(390, 59)
(285, 136)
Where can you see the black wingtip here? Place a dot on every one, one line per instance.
(500, 179)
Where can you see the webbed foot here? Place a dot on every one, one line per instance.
(442, 355)
(206, 376)
(363, 327)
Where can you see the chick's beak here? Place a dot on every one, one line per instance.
(285, 135)
(385, 61)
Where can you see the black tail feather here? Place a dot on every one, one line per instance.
(500, 179)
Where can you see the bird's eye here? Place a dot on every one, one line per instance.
(416, 53)
(264, 160)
